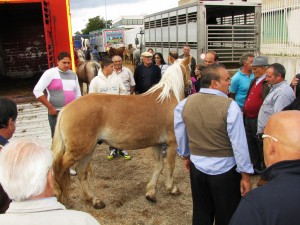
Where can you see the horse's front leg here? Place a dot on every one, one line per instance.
(82, 169)
(171, 157)
(158, 167)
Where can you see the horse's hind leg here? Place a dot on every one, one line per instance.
(158, 167)
(171, 157)
(62, 179)
(81, 87)
(82, 168)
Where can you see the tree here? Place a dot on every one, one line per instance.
(95, 23)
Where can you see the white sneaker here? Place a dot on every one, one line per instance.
(72, 172)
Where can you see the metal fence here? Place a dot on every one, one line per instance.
(231, 41)
(280, 28)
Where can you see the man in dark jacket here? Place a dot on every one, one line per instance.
(146, 74)
(277, 202)
(8, 116)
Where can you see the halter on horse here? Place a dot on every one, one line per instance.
(123, 121)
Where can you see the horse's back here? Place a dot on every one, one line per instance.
(115, 119)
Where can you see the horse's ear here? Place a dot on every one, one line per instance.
(187, 61)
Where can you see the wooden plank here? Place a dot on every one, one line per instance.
(32, 123)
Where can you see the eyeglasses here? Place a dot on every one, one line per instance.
(269, 136)
(156, 57)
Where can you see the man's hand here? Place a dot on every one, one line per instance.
(186, 162)
(52, 111)
(245, 184)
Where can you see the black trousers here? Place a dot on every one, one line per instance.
(255, 146)
(52, 122)
(215, 197)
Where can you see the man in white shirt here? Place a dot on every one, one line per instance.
(109, 83)
(26, 175)
(124, 73)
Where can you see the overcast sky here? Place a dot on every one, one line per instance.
(82, 10)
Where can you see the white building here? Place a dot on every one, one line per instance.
(280, 34)
(133, 26)
(129, 22)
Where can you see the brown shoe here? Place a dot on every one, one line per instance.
(261, 182)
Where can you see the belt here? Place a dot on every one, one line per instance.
(259, 136)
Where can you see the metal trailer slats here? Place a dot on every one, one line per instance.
(230, 28)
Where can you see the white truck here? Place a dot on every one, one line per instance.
(230, 28)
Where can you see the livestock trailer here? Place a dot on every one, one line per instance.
(32, 33)
(229, 27)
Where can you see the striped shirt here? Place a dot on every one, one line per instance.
(62, 87)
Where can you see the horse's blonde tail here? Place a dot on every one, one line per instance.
(61, 174)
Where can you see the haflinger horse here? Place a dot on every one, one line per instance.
(123, 121)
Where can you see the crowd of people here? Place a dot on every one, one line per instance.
(227, 129)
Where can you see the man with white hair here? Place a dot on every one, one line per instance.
(146, 74)
(124, 73)
(27, 177)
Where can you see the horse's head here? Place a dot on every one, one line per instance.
(110, 51)
(80, 55)
(174, 82)
(186, 71)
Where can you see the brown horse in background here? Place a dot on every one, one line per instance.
(86, 71)
(126, 55)
(115, 51)
(125, 122)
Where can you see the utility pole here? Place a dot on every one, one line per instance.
(105, 15)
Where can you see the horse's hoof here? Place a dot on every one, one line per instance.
(176, 193)
(151, 199)
(99, 205)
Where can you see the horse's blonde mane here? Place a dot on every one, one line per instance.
(171, 82)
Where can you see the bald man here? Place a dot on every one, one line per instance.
(277, 202)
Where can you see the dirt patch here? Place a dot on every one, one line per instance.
(121, 184)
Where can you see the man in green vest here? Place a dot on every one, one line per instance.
(211, 140)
